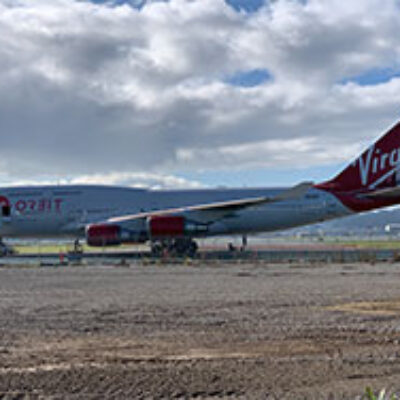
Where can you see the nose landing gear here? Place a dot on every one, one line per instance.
(77, 246)
(5, 249)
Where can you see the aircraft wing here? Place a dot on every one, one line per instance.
(219, 208)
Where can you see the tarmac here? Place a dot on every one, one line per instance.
(203, 330)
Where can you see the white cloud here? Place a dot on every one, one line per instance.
(88, 89)
(130, 179)
(137, 179)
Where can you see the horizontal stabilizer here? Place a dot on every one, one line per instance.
(294, 192)
(385, 193)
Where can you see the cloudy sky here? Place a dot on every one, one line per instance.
(193, 92)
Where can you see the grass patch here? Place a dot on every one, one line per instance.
(381, 395)
(366, 244)
(65, 248)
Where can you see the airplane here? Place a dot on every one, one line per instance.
(173, 219)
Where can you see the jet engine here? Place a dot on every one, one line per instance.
(157, 227)
(111, 235)
(173, 226)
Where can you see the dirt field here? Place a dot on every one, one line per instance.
(222, 331)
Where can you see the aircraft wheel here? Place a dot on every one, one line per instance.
(185, 247)
(193, 248)
(177, 247)
(157, 249)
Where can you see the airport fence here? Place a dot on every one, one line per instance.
(298, 256)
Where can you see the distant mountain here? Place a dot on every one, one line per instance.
(373, 222)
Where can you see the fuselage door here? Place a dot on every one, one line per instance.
(5, 209)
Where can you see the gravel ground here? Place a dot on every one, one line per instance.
(223, 331)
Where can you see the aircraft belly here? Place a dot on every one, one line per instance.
(30, 227)
(267, 220)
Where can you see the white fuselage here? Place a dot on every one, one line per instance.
(53, 211)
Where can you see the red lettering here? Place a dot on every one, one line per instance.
(57, 204)
(4, 201)
(20, 205)
(31, 204)
(42, 205)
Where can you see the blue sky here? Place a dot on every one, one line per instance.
(249, 78)
(374, 76)
(264, 177)
(245, 5)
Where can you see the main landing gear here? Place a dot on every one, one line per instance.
(5, 250)
(179, 247)
(78, 247)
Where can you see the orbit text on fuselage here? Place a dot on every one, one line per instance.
(41, 205)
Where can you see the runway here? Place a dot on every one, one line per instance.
(214, 330)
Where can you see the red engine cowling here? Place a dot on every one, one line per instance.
(158, 227)
(163, 226)
(173, 226)
(103, 235)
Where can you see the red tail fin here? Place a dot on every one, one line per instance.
(377, 167)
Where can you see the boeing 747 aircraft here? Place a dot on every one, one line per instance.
(106, 215)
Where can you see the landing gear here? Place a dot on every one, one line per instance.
(74, 255)
(174, 247)
(5, 250)
(244, 243)
(232, 247)
(77, 247)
